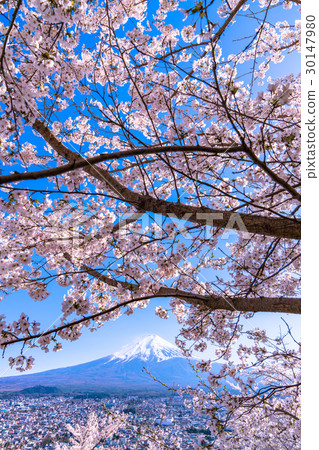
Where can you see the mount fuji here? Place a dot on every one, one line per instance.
(123, 371)
(150, 348)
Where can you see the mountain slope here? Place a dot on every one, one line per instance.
(150, 348)
(122, 371)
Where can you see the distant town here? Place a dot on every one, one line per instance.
(39, 421)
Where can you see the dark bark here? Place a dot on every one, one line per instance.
(282, 305)
(266, 226)
(81, 163)
(290, 305)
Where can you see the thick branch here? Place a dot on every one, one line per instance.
(81, 163)
(265, 304)
(259, 304)
(269, 226)
(240, 304)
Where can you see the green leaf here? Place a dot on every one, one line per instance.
(197, 7)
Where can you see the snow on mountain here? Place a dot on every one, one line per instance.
(123, 371)
(150, 348)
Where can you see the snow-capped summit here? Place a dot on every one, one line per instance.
(148, 348)
(122, 372)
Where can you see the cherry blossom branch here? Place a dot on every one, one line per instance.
(270, 226)
(213, 303)
(241, 304)
(250, 152)
(219, 32)
(272, 174)
(14, 15)
(79, 164)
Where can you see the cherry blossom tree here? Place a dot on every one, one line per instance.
(93, 433)
(148, 152)
(96, 432)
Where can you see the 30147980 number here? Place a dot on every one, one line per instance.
(310, 45)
